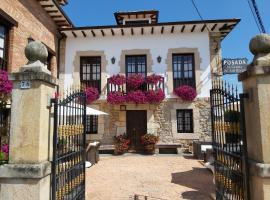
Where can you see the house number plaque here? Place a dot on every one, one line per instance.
(25, 84)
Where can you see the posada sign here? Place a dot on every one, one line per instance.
(234, 66)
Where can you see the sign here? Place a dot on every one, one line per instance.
(25, 84)
(234, 66)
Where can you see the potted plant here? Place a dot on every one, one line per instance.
(186, 93)
(5, 86)
(122, 144)
(116, 98)
(149, 142)
(92, 94)
(4, 154)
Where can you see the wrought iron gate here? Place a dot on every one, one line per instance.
(229, 142)
(68, 177)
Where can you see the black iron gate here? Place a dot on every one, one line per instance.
(229, 142)
(68, 173)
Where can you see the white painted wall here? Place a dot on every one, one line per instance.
(158, 45)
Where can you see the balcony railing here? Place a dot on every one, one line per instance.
(184, 81)
(96, 84)
(3, 64)
(125, 89)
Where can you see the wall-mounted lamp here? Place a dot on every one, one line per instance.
(159, 59)
(113, 60)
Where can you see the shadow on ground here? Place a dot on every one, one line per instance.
(190, 179)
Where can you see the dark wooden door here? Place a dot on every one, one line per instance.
(136, 127)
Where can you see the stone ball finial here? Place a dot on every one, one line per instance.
(260, 44)
(36, 51)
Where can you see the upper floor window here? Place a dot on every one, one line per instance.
(136, 65)
(183, 70)
(3, 47)
(91, 71)
(184, 121)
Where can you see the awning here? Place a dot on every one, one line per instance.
(92, 111)
(75, 109)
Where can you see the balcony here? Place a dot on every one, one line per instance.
(146, 86)
(177, 82)
(3, 64)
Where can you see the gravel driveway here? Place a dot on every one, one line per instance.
(161, 177)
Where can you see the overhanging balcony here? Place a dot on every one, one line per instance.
(124, 88)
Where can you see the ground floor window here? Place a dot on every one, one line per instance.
(184, 121)
(91, 124)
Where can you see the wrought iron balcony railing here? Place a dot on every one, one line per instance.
(125, 89)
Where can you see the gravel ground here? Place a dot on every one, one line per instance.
(162, 177)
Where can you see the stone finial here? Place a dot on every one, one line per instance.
(37, 55)
(260, 48)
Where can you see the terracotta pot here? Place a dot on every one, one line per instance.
(150, 149)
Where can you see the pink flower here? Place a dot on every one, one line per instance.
(155, 96)
(5, 84)
(186, 93)
(116, 98)
(137, 97)
(135, 81)
(154, 79)
(117, 79)
(5, 148)
(92, 94)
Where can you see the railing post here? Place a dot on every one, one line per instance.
(256, 83)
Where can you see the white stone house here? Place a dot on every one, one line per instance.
(185, 52)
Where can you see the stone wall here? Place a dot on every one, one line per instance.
(161, 121)
(34, 22)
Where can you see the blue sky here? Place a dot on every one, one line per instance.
(93, 12)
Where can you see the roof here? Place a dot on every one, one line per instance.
(222, 26)
(134, 15)
(53, 8)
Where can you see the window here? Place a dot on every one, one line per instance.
(136, 65)
(91, 71)
(3, 47)
(91, 124)
(183, 70)
(184, 121)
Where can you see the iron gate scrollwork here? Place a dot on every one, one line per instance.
(229, 142)
(68, 173)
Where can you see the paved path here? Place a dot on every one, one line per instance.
(162, 177)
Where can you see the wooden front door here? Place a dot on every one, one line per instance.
(136, 127)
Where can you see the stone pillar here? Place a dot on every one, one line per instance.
(27, 176)
(256, 82)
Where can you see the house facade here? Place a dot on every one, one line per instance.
(182, 53)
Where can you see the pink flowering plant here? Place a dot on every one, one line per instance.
(137, 97)
(5, 85)
(92, 94)
(116, 98)
(186, 93)
(4, 151)
(154, 79)
(155, 96)
(135, 81)
(117, 80)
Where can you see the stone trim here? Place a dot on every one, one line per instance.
(149, 59)
(104, 63)
(215, 54)
(254, 71)
(30, 171)
(169, 70)
(259, 169)
(28, 76)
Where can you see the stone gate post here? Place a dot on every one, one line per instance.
(27, 176)
(256, 82)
